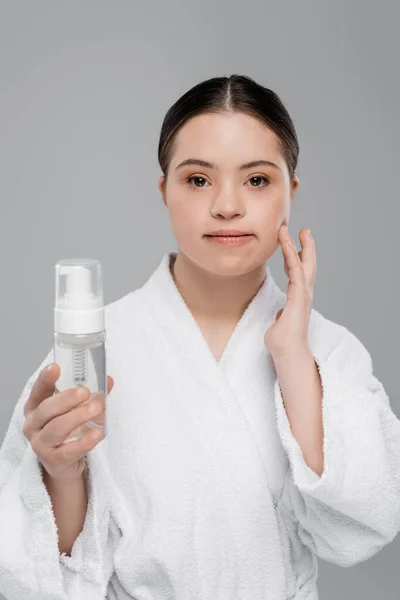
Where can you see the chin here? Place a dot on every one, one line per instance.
(229, 263)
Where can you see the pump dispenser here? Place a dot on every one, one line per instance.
(79, 334)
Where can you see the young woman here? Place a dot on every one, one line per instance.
(246, 432)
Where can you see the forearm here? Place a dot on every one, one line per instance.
(69, 501)
(301, 389)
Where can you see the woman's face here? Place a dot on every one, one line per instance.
(224, 195)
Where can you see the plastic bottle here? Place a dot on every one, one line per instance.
(79, 333)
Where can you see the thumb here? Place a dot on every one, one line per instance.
(110, 383)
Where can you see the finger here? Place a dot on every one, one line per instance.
(52, 407)
(307, 255)
(285, 266)
(294, 268)
(61, 403)
(58, 429)
(67, 454)
(43, 387)
(110, 384)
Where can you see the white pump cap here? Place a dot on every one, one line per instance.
(79, 305)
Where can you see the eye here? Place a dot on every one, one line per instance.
(197, 181)
(197, 178)
(257, 178)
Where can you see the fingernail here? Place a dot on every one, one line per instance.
(309, 232)
(81, 392)
(49, 367)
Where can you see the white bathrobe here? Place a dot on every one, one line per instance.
(200, 490)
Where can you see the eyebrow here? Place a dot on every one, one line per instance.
(205, 163)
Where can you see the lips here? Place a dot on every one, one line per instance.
(239, 235)
(229, 235)
(230, 240)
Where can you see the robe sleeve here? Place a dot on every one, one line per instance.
(352, 510)
(30, 563)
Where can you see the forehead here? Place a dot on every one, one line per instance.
(234, 136)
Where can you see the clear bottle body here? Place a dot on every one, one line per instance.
(82, 361)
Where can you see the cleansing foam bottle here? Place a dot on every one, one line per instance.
(79, 333)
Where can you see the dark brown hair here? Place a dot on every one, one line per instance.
(237, 93)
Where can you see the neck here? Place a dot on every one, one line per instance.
(214, 297)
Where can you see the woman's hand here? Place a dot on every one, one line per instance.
(289, 334)
(51, 417)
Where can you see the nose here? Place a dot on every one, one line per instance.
(227, 204)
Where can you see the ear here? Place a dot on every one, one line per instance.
(161, 187)
(295, 185)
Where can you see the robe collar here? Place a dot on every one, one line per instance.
(260, 311)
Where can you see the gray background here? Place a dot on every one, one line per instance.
(84, 87)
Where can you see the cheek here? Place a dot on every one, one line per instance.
(182, 208)
(181, 212)
(185, 220)
(270, 209)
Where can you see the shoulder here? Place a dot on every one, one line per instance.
(115, 309)
(127, 337)
(337, 343)
(330, 340)
(120, 313)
